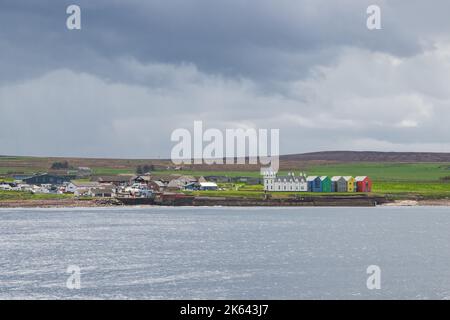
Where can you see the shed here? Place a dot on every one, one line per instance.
(334, 183)
(363, 184)
(325, 184)
(350, 183)
(314, 184)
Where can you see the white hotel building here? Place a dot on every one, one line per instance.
(272, 182)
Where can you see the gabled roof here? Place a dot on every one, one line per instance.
(290, 178)
(311, 178)
(86, 184)
(348, 178)
(323, 178)
(336, 178)
(159, 183)
(360, 178)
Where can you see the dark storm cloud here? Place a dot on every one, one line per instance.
(257, 39)
(139, 69)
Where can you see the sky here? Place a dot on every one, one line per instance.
(140, 69)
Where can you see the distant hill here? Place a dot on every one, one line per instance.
(304, 161)
(368, 156)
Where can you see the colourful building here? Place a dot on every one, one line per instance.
(351, 187)
(363, 184)
(325, 184)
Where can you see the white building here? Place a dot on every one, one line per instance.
(291, 182)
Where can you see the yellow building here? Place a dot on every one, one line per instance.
(350, 183)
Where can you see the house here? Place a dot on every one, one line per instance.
(363, 184)
(73, 187)
(272, 182)
(156, 186)
(104, 192)
(143, 179)
(180, 182)
(119, 180)
(46, 178)
(212, 186)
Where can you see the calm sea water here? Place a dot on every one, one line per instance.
(242, 253)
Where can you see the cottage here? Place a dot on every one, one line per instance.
(363, 184)
(272, 182)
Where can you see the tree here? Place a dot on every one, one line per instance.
(60, 165)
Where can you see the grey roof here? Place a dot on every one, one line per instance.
(290, 178)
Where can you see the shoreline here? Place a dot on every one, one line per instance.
(105, 203)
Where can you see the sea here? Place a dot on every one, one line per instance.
(225, 253)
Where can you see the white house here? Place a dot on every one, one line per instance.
(208, 186)
(73, 187)
(291, 182)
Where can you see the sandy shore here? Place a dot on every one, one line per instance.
(409, 203)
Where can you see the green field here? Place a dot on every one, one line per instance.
(424, 172)
(19, 195)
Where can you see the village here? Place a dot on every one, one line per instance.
(149, 185)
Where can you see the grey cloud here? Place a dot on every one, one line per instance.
(139, 69)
